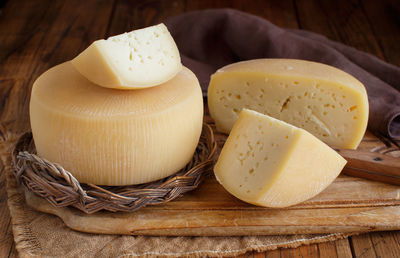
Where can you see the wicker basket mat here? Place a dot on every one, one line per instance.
(38, 234)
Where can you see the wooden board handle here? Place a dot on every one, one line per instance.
(371, 165)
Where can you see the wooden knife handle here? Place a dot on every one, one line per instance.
(371, 165)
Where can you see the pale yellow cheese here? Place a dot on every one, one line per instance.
(138, 59)
(270, 163)
(327, 102)
(115, 137)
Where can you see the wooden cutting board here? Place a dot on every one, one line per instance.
(350, 204)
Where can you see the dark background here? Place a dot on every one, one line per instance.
(38, 34)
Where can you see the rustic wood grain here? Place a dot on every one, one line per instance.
(364, 26)
(343, 248)
(302, 251)
(130, 15)
(59, 32)
(341, 20)
(327, 249)
(25, 51)
(348, 205)
(272, 254)
(281, 13)
(36, 35)
(362, 246)
(381, 241)
(384, 19)
(246, 255)
(261, 255)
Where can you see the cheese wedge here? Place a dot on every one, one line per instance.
(270, 163)
(327, 102)
(115, 137)
(138, 59)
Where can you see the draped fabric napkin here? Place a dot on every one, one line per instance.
(214, 38)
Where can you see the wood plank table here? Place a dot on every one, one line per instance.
(35, 35)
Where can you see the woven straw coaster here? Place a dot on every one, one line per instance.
(38, 234)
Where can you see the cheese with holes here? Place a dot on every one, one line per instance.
(115, 137)
(270, 163)
(327, 102)
(138, 59)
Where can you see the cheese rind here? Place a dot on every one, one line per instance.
(327, 102)
(115, 137)
(270, 163)
(138, 59)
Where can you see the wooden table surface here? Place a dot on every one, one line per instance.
(36, 35)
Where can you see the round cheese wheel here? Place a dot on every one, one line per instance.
(115, 137)
(327, 102)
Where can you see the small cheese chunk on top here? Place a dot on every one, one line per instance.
(270, 163)
(327, 102)
(138, 59)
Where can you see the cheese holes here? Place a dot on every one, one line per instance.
(352, 108)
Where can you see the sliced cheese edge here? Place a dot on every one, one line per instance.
(115, 137)
(327, 102)
(270, 163)
(139, 59)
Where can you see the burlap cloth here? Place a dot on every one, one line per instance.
(39, 234)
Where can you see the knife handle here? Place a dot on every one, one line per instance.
(371, 165)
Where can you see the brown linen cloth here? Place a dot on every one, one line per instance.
(213, 38)
(39, 234)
